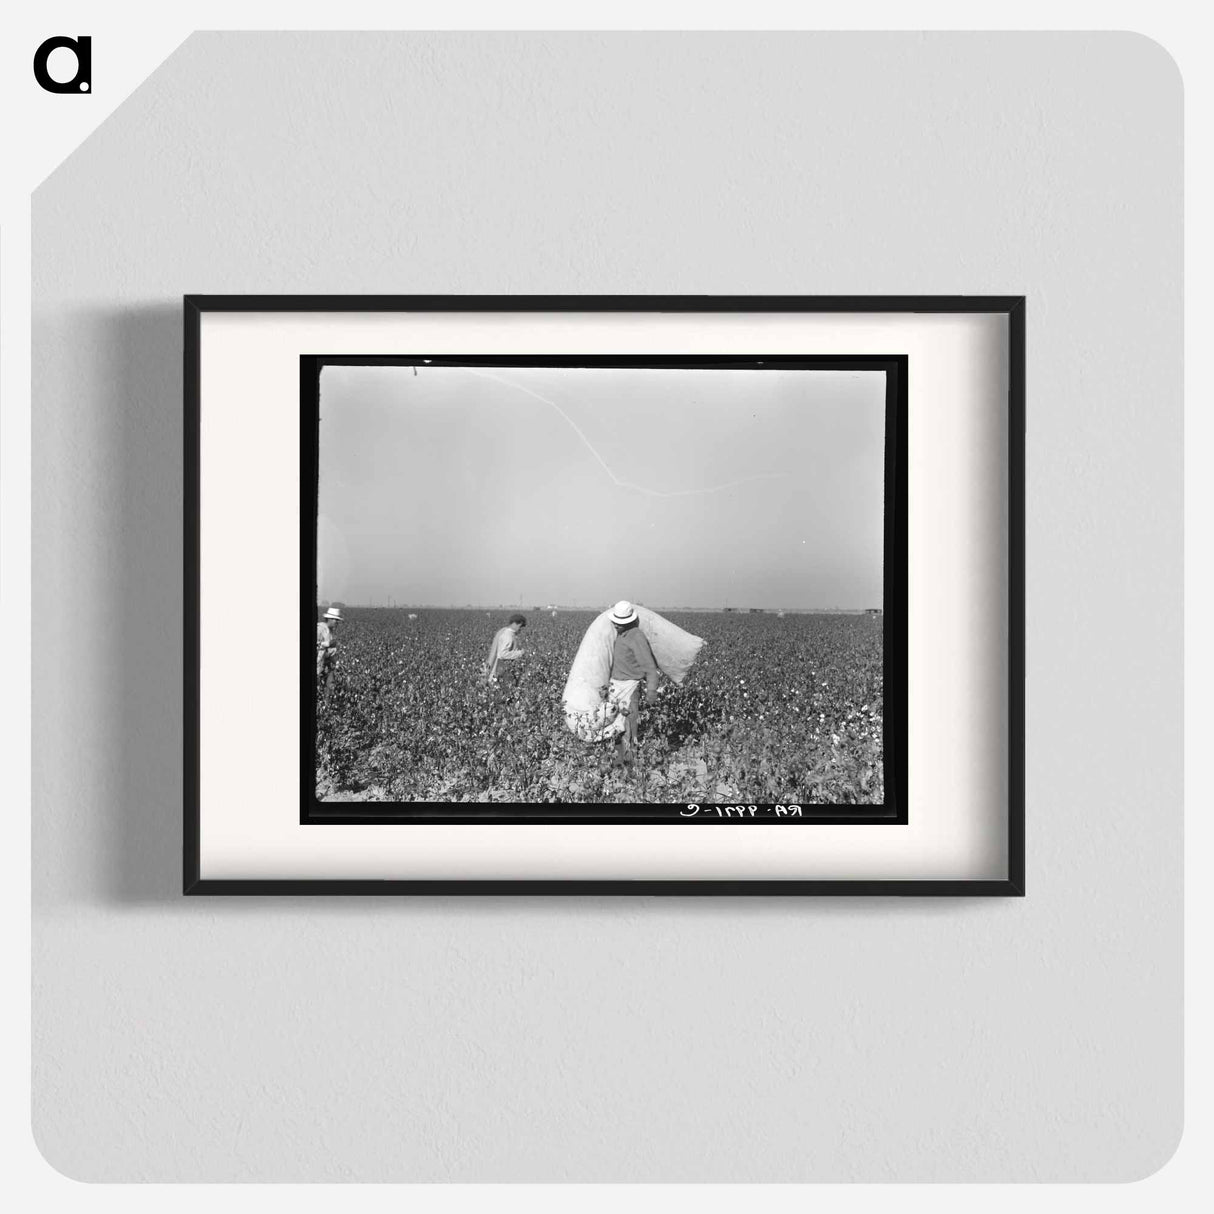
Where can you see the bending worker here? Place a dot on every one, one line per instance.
(505, 647)
(631, 661)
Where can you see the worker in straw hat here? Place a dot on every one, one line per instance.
(632, 661)
(326, 648)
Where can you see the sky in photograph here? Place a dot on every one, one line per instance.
(673, 488)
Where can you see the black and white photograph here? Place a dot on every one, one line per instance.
(593, 588)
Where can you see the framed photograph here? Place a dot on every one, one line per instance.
(604, 595)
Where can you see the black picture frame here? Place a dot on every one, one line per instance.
(1011, 307)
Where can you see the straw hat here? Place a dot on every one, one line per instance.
(333, 614)
(623, 612)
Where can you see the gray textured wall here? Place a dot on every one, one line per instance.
(626, 1039)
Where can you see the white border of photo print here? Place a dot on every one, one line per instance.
(958, 667)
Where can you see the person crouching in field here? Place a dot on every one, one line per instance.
(326, 649)
(505, 647)
(631, 661)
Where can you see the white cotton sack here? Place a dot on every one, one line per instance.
(585, 694)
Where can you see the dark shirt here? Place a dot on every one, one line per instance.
(631, 658)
